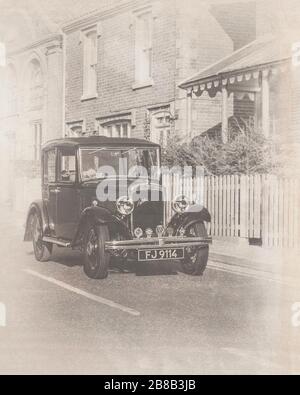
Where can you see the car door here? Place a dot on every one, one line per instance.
(67, 194)
(49, 189)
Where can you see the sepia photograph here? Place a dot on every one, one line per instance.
(150, 190)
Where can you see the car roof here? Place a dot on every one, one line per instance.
(99, 141)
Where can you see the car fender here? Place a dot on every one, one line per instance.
(37, 207)
(100, 216)
(194, 214)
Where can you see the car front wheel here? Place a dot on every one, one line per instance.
(196, 258)
(96, 259)
(42, 250)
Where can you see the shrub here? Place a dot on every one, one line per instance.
(246, 152)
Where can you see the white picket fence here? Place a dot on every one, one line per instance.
(256, 206)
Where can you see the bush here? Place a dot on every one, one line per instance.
(246, 152)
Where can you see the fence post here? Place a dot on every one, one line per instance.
(244, 207)
(257, 207)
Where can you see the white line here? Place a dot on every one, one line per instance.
(88, 295)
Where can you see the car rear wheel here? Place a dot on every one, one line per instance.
(196, 258)
(42, 250)
(96, 259)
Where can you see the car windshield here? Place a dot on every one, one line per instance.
(94, 162)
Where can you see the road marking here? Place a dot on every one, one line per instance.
(240, 271)
(87, 295)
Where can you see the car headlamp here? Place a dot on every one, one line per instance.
(180, 204)
(125, 205)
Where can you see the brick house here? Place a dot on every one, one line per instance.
(258, 83)
(124, 64)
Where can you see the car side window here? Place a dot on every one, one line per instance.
(49, 166)
(67, 165)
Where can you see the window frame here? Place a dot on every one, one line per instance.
(70, 125)
(113, 124)
(89, 92)
(45, 155)
(37, 140)
(141, 80)
(59, 157)
(164, 127)
(36, 91)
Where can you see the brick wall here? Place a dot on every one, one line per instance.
(53, 121)
(115, 70)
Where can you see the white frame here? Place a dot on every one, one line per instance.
(142, 80)
(89, 92)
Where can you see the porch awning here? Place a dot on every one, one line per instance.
(267, 54)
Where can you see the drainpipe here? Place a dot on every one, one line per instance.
(265, 91)
(189, 101)
(64, 85)
(224, 115)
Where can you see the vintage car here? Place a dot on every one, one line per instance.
(121, 229)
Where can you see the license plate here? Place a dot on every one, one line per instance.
(160, 254)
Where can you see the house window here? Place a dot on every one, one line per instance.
(75, 129)
(90, 49)
(36, 86)
(161, 127)
(37, 140)
(117, 129)
(143, 47)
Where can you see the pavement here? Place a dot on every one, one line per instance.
(279, 264)
(230, 321)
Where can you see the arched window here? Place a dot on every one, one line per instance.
(36, 84)
(11, 91)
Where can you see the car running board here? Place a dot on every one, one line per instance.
(55, 241)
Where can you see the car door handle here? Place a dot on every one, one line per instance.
(56, 190)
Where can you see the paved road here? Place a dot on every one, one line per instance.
(59, 321)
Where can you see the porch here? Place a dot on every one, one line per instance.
(252, 86)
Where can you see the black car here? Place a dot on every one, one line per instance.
(73, 214)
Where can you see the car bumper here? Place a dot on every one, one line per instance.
(156, 243)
